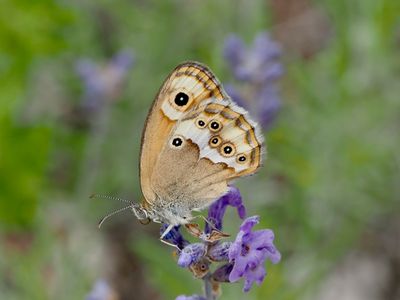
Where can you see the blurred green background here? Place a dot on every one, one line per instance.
(329, 189)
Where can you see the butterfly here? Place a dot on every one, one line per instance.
(195, 141)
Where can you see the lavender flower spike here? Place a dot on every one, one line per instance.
(103, 82)
(257, 64)
(249, 252)
(217, 210)
(256, 69)
(193, 297)
(243, 258)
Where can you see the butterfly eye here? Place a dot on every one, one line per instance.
(215, 126)
(181, 99)
(227, 149)
(177, 142)
(201, 123)
(241, 158)
(215, 141)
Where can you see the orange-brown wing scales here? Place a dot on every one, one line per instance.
(196, 82)
(190, 78)
(153, 142)
(184, 181)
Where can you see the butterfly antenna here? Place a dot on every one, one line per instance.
(113, 213)
(109, 197)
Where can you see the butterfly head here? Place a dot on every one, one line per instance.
(140, 212)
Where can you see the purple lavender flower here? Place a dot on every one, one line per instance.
(217, 210)
(222, 273)
(245, 257)
(193, 297)
(103, 83)
(191, 254)
(219, 252)
(249, 252)
(101, 291)
(269, 105)
(256, 64)
(256, 70)
(234, 52)
(234, 93)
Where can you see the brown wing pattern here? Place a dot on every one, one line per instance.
(188, 85)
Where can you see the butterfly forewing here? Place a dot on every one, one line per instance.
(191, 79)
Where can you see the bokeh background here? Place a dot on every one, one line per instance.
(76, 81)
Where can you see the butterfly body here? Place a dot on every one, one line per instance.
(196, 140)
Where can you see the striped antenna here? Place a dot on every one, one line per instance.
(113, 213)
(109, 197)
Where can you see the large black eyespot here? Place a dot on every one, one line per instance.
(227, 150)
(181, 99)
(177, 142)
(215, 126)
(200, 123)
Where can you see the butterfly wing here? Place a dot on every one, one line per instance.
(186, 86)
(225, 135)
(196, 141)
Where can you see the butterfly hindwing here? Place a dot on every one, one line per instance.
(224, 134)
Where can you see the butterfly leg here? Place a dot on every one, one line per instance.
(215, 232)
(169, 244)
(166, 231)
(213, 236)
(208, 222)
